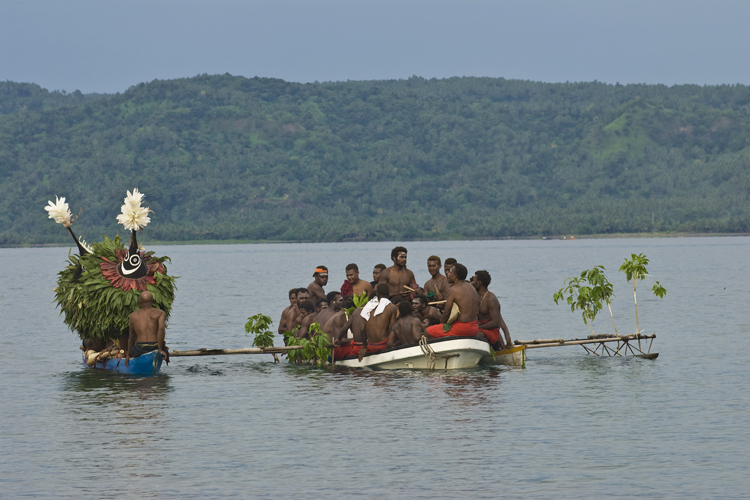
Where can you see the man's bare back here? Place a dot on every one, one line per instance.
(378, 327)
(408, 330)
(147, 326)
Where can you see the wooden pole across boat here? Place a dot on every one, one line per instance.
(248, 350)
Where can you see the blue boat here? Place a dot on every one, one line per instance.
(145, 364)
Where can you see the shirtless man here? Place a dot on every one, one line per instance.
(464, 296)
(315, 289)
(284, 315)
(337, 320)
(308, 314)
(333, 305)
(376, 275)
(436, 287)
(427, 314)
(449, 262)
(345, 347)
(407, 328)
(358, 286)
(294, 318)
(380, 315)
(147, 330)
(490, 320)
(397, 277)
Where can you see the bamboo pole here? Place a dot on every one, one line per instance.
(248, 350)
(555, 343)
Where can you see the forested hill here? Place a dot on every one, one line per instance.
(223, 157)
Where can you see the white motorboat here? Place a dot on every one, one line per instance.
(451, 353)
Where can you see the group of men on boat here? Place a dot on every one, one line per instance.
(399, 312)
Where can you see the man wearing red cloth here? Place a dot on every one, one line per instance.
(353, 285)
(464, 296)
(346, 347)
(490, 319)
(379, 314)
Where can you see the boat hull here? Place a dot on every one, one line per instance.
(515, 356)
(448, 354)
(145, 364)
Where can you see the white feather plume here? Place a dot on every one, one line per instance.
(134, 216)
(59, 211)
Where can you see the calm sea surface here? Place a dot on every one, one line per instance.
(568, 425)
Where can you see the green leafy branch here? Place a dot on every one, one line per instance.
(635, 269)
(315, 350)
(260, 326)
(582, 297)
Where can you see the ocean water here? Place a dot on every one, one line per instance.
(569, 425)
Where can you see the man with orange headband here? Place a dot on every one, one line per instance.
(315, 289)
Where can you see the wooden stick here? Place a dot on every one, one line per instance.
(253, 350)
(409, 288)
(437, 302)
(558, 342)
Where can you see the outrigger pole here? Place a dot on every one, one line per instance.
(600, 341)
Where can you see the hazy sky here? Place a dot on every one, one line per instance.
(107, 46)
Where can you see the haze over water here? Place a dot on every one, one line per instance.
(568, 425)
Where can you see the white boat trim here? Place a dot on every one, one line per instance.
(447, 354)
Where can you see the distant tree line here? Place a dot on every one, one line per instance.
(223, 157)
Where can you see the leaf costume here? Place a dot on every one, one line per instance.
(100, 287)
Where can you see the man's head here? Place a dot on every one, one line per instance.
(396, 299)
(376, 272)
(398, 256)
(321, 275)
(302, 295)
(306, 307)
(448, 263)
(146, 299)
(320, 304)
(382, 290)
(348, 302)
(481, 278)
(334, 300)
(352, 273)
(433, 265)
(419, 302)
(405, 309)
(457, 273)
(293, 296)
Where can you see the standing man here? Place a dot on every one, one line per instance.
(490, 319)
(398, 277)
(376, 275)
(436, 287)
(461, 322)
(315, 289)
(355, 285)
(286, 312)
(146, 330)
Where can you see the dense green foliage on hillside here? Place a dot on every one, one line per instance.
(223, 157)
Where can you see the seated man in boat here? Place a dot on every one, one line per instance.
(285, 314)
(295, 318)
(399, 279)
(460, 315)
(147, 330)
(379, 315)
(337, 320)
(307, 316)
(376, 274)
(436, 287)
(345, 347)
(489, 318)
(333, 305)
(449, 262)
(315, 289)
(407, 328)
(427, 314)
(353, 285)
